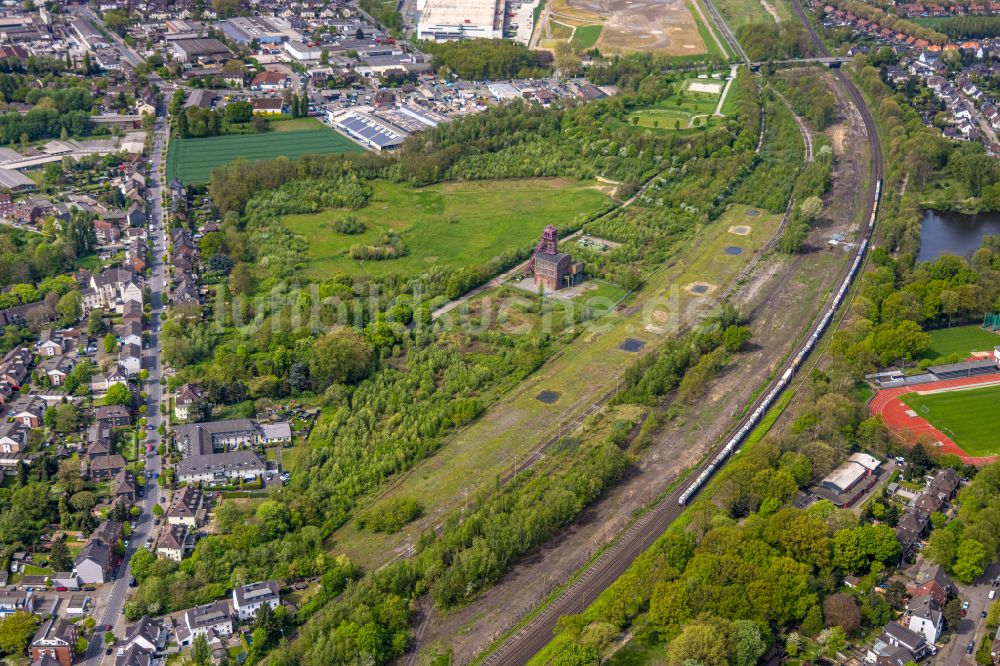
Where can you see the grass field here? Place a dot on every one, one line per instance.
(447, 224)
(965, 416)
(192, 160)
(738, 13)
(679, 110)
(487, 447)
(586, 36)
(961, 340)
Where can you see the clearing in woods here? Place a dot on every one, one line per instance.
(968, 417)
(626, 26)
(691, 105)
(450, 224)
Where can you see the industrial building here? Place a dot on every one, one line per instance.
(266, 30)
(368, 130)
(553, 269)
(201, 50)
(446, 20)
(854, 469)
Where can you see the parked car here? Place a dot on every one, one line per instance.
(971, 647)
(61, 589)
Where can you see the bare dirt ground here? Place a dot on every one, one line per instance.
(781, 297)
(660, 26)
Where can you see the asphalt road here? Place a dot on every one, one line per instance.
(531, 638)
(113, 609)
(973, 624)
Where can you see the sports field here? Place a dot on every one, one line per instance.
(448, 224)
(961, 340)
(967, 417)
(192, 160)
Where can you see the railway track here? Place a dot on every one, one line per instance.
(520, 646)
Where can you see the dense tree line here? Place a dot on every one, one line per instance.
(774, 41)
(486, 59)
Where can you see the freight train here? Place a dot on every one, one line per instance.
(800, 357)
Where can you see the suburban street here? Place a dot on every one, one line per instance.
(112, 612)
(973, 624)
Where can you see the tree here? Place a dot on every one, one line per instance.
(110, 342)
(896, 595)
(813, 623)
(735, 337)
(971, 560)
(142, 562)
(201, 654)
(953, 613)
(340, 356)
(118, 394)
(842, 610)
(259, 124)
(16, 631)
(702, 642)
(69, 308)
(59, 556)
(811, 208)
(67, 417)
(83, 500)
(748, 644)
(239, 112)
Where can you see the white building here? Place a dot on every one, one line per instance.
(248, 599)
(926, 617)
(211, 620)
(446, 20)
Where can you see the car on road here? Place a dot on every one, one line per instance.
(965, 606)
(131, 582)
(163, 500)
(150, 427)
(109, 650)
(983, 614)
(971, 647)
(61, 589)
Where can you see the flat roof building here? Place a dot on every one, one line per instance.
(446, 20)
(855, 468)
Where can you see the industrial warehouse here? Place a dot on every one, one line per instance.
(443, 20)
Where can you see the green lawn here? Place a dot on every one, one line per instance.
(448, 224)
(961, 340)
(192, 160)
(965, 416)
(678, 110)
(586, 36)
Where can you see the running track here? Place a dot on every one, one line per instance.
(893, 411)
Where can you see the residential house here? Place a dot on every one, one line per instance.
(95, 562)
(911, 527)
(111, 289)
(130, 333)
(945, 483)
(925, 617)
(186, 396)
(55, 638)
(223, 467)
(270, 80)
(50, 343)
(16, 366)
(175, 542)
(267, 106)
(211, 620)
(935, 583)
(106, 467)
(29, 411)
(57, 369)
(13, 437)
(897, 646)
(124, 485)
(143, 640)
(113, 416)
(248, 599)
(116, 375)
(130, 359)
(132, 312)
(186, 508)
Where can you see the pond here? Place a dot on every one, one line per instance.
(944, 232)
